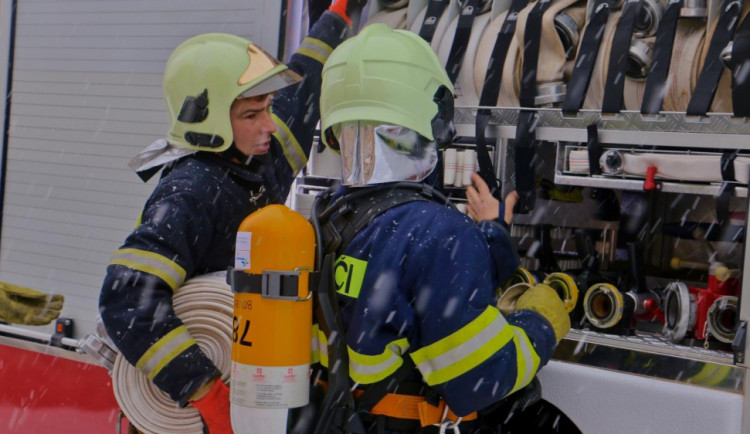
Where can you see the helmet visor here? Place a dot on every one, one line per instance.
(375, 154)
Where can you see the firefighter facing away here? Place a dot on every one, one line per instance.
(241, 127)
(415, 279)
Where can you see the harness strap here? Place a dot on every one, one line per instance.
(586, 58)
(461, 39)
(356, 209)
(655, 91)
(740, 62)
(618, 58)
(490, 91)
(435, 9)
(708, 80)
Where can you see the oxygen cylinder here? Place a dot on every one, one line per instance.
(272, 325)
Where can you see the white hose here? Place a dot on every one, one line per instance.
(205, 306)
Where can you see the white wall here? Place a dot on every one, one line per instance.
(86, 97)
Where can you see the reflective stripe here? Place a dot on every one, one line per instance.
(164, 351)
(316, 49)
(293, 152)
(465, 349)
(323, 348)
(152, 263)
(315, 356)
(367, 369)
(527, 360)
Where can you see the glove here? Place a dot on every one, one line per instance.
(20, 305)
(214, 408)
(506, 303)
(544, 300)
(349, 10)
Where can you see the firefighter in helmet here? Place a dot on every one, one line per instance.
(241, 128)
(415, 283)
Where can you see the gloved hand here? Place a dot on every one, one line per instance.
(543, 300)
(214, 408)
(20, 305)
(349, 10)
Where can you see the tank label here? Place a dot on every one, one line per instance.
(270, 387)
(242, 251)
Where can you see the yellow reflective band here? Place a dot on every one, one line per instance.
(348, 274)
(527, 360)
(323, 348)
(293, 152)
(316, 49)
(315, 345)
(151, 263)
(164, 351)
(465, 349)
(366, 369)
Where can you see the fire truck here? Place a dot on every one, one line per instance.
(623, 125)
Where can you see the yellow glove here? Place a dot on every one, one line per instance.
(543, 300)
(20, 305)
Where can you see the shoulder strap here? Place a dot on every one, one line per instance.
(343, 218)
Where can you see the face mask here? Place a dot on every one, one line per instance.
(375, 154)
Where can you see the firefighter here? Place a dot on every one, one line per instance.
(415, 284)
(241, 128)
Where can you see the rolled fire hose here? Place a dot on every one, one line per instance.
(466, 91)
(442, 24)
(394, 18)
(510, 84)
(685, 167)
(723, 318)
(205, 306)
(394, 4)
(595, 94)
(552, 63)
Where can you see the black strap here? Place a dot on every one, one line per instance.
(490, 91)
(523, 146)
(594, 149)
(461, 39)
(523, 149)
(656, 82)
(618, 57)
(726, 192)
(278, 284)
(727, 165)
(546, 255)
(435, 9)
(586, 58)
(740, 71)
(531, 41)
(708, 80)
(342, 219)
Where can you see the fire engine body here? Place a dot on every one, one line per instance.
(659, 348)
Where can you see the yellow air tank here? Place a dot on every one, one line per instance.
(271, 341)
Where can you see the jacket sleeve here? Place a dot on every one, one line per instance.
(296, 108)
(136, 297)
(463, 346)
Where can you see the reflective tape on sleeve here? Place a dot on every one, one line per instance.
(465, 349)
(293, 152)
(164, 351)
(315, 49)
(366, 369)
(152, 263)
(527, 360)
